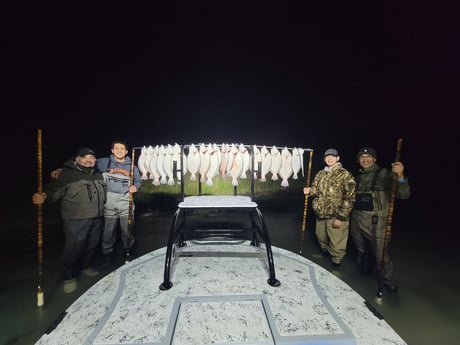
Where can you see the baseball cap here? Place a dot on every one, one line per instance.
(331, 152)
(85, 151)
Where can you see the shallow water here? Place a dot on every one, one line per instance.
(425, 310)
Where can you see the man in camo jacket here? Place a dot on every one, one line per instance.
(333, 189)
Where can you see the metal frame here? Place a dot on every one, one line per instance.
(180, 231)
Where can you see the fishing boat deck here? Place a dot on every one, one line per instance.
(220, 297)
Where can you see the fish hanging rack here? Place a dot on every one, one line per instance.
(254, 172)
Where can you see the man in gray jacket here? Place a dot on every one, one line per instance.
(117, 171)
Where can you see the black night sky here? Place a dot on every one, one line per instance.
(312, 74)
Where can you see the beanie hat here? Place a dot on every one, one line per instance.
(85, 151)
(367, 151)
(331, 152)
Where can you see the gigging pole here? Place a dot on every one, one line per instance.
(305, 208)
(130, 204)
(387, 237)
(40, 296)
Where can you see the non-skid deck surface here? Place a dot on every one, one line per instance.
(220, 295)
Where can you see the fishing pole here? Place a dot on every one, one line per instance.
(388, 224)
(305, 208)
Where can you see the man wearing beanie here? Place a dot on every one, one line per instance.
(81, 190)
(370, 212)
(333, 189)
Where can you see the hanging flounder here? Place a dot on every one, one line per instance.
(230, 156)
(160, 164)
(193, 161)
(213, 169)
(225, 150)
(204, 161)
(266, 162)
(141, 163)
(237, 165)
(148, 158)
(276, 162)
(286, 167)
(246, 160)
(297, 162)
(168, 164)
(153, 171)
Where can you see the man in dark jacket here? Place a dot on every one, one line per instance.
(81, 190)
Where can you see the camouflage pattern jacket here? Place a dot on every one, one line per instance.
(334, 193)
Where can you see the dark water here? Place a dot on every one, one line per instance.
(425, 310)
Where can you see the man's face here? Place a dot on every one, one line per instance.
(87, 161)
(366, 161)
(119, 151)
(331, 160)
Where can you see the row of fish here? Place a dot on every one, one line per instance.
(206, 161)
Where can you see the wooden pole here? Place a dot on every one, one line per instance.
(40, 292)
(305, 208)
(130, 202)
(389, 222)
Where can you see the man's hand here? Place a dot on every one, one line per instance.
(39, 198)
(55, 173)
(132, 189)
(398, 169)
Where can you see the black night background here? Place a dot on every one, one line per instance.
(314, 74)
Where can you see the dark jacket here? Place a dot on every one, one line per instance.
(382, 190)
(81, 191)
